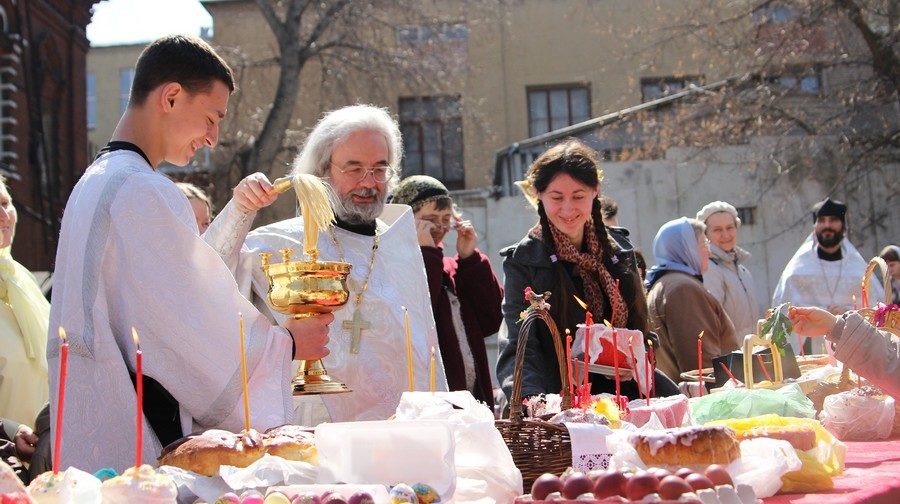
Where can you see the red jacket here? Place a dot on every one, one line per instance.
(480, 294)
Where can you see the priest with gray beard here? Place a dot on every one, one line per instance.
(356, 151)
(826, 270)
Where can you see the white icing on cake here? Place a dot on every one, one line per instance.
(71, 486)
(140, 484)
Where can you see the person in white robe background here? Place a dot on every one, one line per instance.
(356, 150)
(130, 256)
(826, 270)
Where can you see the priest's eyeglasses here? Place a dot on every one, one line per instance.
(358, 173)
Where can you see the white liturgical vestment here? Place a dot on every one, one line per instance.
(129, 255)
(810, 281)
(377, 374)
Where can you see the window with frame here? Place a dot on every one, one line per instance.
(126, 76)
(797, 81)
(774, 13)
(91, 97)
(653, 88)
(747, 215)
(433, 139)
(553, 107)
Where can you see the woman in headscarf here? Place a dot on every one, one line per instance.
(680, 306)
(891, 255)
(465, 293)
(568, 252)
(24, 315)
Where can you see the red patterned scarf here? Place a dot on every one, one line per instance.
(593, 274)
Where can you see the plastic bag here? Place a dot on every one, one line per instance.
(819, 465)
(789, 401)
(851, 416)
(388, 452)
(484, 467)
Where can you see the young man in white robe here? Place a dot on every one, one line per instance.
(356, 150)
(826, 270)
(130, 256)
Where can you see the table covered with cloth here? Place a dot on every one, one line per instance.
(871, 475)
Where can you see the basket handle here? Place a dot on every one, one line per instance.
(749, 341)
(538, 312)
(885, 279)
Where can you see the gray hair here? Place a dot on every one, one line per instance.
(716, 207)
(339, 124)
(698, 226)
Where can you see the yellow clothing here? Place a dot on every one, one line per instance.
(24, 316)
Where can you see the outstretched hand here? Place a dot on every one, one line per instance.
(811, 321)
(254, 192)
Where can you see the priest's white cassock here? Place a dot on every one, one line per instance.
(377, 374)
(810, 281)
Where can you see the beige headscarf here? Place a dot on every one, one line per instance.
(19, 289)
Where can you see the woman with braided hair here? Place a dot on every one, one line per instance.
(568, 252)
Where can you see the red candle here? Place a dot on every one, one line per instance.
(616, 364)
(634, 367)
(728, 371)
(700, 361)
(653, 367)
(615, 304)
(139, 385)
(569, 361)
(61, 396)
(588, 322)
(763, 366)
(647, 377)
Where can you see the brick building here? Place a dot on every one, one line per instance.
(43, 137)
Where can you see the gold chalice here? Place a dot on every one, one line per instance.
(303, 289)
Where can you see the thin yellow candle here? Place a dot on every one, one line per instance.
(409, 353)
(244, 376)
(431, 371)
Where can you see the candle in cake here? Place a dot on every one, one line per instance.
(431, 372)
(139, 388)
(855, 307)
(634, 367)
(652, 367)
(244, 375)
(700, 362)
(588, 322)
(616, 365)
(61, 397)
(409, 354)
(569, 361)
(647, 376)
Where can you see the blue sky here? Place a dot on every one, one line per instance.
(135, 21)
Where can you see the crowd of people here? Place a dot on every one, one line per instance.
(135, 252)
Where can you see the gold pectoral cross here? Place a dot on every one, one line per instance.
(355, 325)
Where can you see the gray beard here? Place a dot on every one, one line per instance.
(352, 213)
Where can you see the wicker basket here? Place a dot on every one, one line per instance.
(892, 319)
(537, 446)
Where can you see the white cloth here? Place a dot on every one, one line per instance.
(378, 373)
(589, 450)
(129, 255)
(809, 281)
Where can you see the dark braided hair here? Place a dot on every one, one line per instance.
(580, 162)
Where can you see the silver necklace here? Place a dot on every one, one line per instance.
(831, 291)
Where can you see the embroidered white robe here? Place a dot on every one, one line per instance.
(129, 255)
(378, 373)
